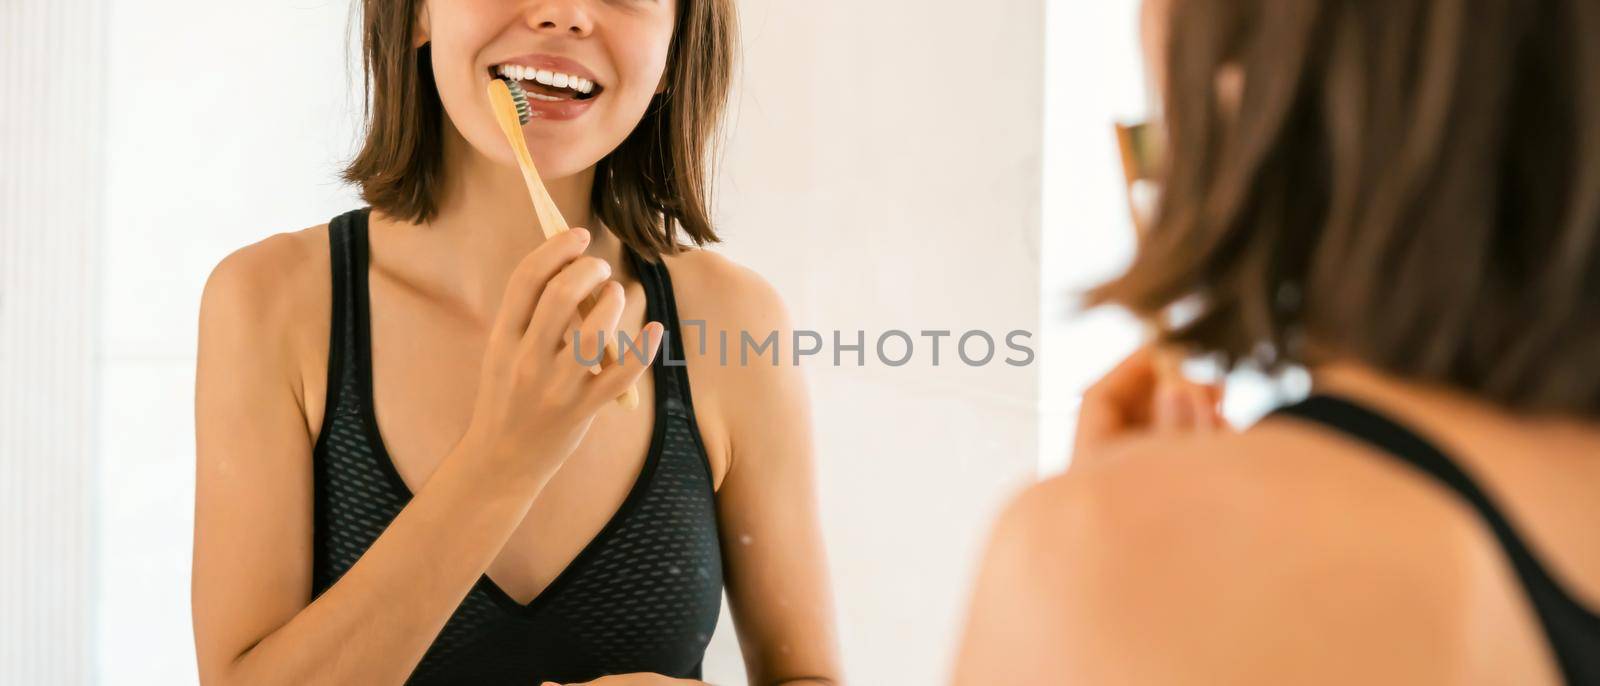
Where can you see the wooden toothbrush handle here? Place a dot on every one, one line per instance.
(552, 223)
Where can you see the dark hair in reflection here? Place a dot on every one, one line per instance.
(1414, 184)
(655, 183)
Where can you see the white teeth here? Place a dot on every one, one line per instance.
(553, 79)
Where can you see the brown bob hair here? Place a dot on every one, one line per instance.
(1412, 184)
(656, 182)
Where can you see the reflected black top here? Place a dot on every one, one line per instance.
(642, 596)
(1572, 630)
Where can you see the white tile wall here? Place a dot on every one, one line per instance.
(50, 192)
(884, 173)
(229, 121)
(146, 500)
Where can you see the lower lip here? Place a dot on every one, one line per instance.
(558, 110)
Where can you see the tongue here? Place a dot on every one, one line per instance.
(536, 87)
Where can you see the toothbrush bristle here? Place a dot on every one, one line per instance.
(520, 97)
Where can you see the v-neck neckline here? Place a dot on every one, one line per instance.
(363, 353)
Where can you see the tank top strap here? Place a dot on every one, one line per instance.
(347, 253)
(1572, 629)
(661, 306)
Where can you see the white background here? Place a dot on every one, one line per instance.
(889, 165)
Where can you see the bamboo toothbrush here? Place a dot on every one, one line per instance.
(510, 105)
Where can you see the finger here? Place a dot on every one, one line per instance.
(1116, 402)
(1131, 380)
(1119, 400)
(1202, 412)
(528, 280)
(1172, 408)
(1216, 393)
(626, 372)
(558, 304)
(598, 330)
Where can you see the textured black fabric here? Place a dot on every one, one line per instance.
(1572, 630)
(642, 596)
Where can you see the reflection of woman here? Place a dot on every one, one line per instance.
(404, 472)
(1404, 196)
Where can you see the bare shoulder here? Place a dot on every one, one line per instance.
(1271, 480)
(1268, 497)
(271, 276)
(725, 294)
(271, 301)
(1215, 544)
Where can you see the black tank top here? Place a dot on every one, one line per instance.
(642, 596)
(1572, 630)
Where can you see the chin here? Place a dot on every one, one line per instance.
(557, 163)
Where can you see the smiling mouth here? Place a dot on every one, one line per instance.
(546, 85)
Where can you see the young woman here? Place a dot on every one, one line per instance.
(1405, 197)
(404, 472)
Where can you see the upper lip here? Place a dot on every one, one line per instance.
(551, 63)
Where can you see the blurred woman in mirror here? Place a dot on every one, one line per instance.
(1403, 197)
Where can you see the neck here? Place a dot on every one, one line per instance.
(486, 198)
(486, 224)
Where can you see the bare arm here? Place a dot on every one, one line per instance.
(776, 565)
(777, 574)
(1014, 622)
(254, 619)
